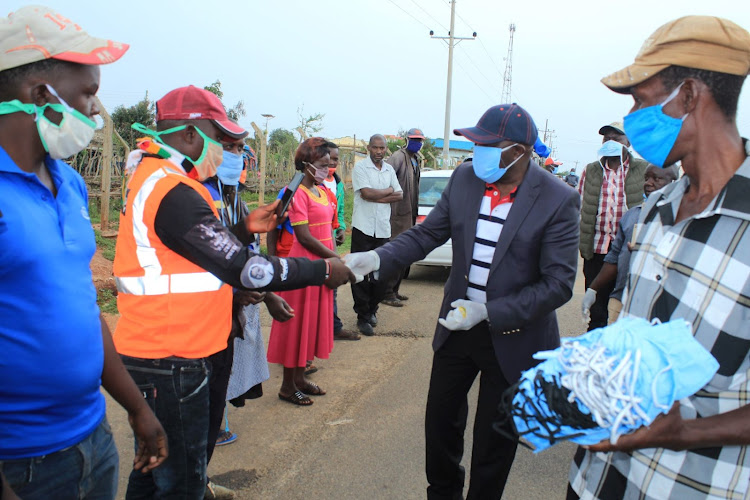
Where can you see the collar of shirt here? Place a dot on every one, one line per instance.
(8, 165)
(731, 200)
(494, 194)
(371, 164)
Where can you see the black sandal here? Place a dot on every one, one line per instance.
(297, 399)
(312, 389)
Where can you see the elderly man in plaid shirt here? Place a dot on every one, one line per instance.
(691, 260)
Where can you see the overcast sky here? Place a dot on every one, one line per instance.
(371, 67)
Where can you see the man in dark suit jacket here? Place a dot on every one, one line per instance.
(514, 228)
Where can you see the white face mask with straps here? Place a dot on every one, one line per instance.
(71, 135)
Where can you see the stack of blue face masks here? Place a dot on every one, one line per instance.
(607, 382)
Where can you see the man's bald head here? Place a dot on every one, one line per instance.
(377, 147)
(376, 137)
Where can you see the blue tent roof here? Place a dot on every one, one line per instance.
(454, 144)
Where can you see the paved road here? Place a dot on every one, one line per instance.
(364, 439)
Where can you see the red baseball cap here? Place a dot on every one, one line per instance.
(36, 33)
(551, 161)
(193, 103)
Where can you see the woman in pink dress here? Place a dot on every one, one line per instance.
(310, 333)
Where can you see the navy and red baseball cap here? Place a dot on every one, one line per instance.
(415, 133)
(504, 122)
(193, 103)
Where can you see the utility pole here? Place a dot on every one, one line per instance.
(261, 164)
(508, 75)
(548, 134)
(452, 41)
(267, 116)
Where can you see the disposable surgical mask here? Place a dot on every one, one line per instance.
(230, 169)
(652, 132)
(206, 164)
(319, 175)
(71, 135)
(486, 162)
(610, 149)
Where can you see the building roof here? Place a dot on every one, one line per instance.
(455, 144)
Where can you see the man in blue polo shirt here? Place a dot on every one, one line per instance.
(56, 351)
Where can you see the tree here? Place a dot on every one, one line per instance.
(282, 140)
(143, 112)
(235, 112)
(309, 126)
(395, 144)
(215, 88)
(429, 151)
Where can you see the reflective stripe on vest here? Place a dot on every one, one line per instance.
(153, 282)
(168, 283)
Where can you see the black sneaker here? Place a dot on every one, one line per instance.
(365, 328)
(373, 320)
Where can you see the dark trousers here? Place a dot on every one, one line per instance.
(394, 284)
(367, 294)
(591, 268)
(221, 369)
(87, 470)
(337, 324)
(177, 390)
(454, 368)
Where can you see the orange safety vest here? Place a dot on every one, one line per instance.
(168, 305)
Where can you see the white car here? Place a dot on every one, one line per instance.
(431, 186)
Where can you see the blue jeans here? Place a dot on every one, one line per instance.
(87, 470)
(337, 324)
(177, 391)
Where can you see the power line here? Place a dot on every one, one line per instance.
(494, 64)
(409, 14)
(430, 15)
(468, 75)
(479, 70)
(466, 23)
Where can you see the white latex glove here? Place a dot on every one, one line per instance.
(464, 315)
(588, 301)
(363, 263)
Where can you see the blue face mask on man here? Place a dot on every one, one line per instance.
(230, 169)
(413, 146)
(486, 162)
(652, 132)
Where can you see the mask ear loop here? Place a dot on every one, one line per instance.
(235, 207)
(671, 98)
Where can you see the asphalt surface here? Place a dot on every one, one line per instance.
(365, 438)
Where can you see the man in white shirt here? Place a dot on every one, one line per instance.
(375, 188)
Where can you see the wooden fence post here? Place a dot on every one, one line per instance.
(107, 158)
(262, 163)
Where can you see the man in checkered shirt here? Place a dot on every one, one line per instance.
(608, 188)
(691, 260)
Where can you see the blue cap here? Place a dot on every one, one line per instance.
(504, 122)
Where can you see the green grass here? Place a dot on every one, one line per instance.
(348, 208)
(107, 245)
(115, 206)
(107, 301)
